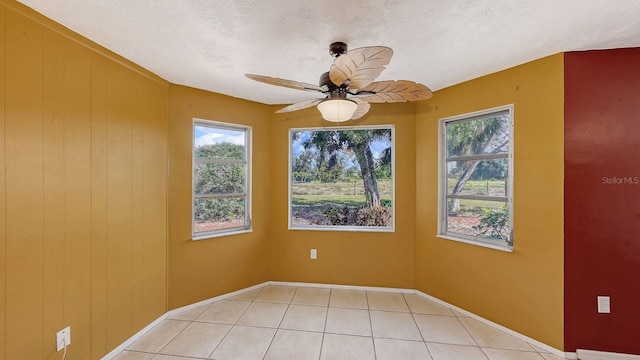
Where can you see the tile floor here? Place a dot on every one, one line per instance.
(286, 322)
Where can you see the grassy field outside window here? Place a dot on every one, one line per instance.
(341, 179)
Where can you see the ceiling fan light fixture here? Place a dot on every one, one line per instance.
(352, 72)
(337, 110)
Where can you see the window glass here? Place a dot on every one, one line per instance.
(220, 179)
(486, 177)
(489, 134)
(477, 163)
(341, 178)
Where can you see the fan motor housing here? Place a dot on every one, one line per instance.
(325, 80)
(337, 48)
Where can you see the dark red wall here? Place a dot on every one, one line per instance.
(602, 199)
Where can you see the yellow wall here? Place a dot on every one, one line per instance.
(522, 290)
(349, 258)
(200, 270)
(86, 142)
(83, 191)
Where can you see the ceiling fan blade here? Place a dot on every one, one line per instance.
(363, 108)
(285, 83)
(360, 66)
(395, 91)
(300, 105)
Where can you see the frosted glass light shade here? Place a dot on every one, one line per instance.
(337, 110)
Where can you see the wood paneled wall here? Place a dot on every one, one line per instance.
(83, 192)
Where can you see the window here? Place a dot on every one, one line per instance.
(221, 179)
(341, 178)
(476, 178)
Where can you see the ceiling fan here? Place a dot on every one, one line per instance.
(349, 87)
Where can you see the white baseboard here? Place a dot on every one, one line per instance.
(135, 337)
(343, 287)
(601, 355)
(139, 334)
(564, 355)
(214, 299)
(543, 346)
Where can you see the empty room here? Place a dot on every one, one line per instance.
(376, 179)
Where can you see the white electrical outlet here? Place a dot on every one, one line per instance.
(604, 305)
(314, 254)
(63, 338)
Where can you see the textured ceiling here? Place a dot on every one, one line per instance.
(211, 44)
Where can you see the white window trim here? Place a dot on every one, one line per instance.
(248, 148)
(337, 227)
(442, 176)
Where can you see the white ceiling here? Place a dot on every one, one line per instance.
(211, 44)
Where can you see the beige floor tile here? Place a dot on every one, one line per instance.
(295, 345)
(246, 343)
(159, 336)
(348, 321)
(345, 347)
(263, 314)
(420, 305)
(354, 299)
(133, 355)
(459, 314)
(276, 294)
(170, 357)
(443, 329)
(197, 340)
(394, 325)
(386, 301)
(224, 312)
(455, 352)
(311, 296)
(319, 323)
(549, 356)
(303, 317)
(538, 349)
(190, 315)
(247, 295)
(544, 352)
(393, 349)
(500, 354)
(487, 336)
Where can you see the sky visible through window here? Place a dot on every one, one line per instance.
(209, 136)
(377, 147)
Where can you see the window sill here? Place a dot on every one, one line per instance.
(505, 248)
(344, 228)
(220, 234)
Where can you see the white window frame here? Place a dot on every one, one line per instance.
(442, 180)
(247, 227)
(339, 227)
